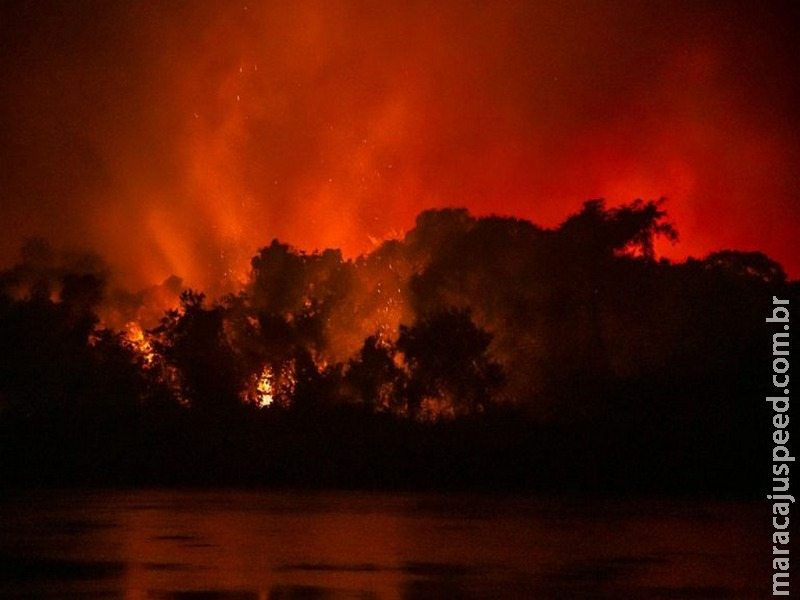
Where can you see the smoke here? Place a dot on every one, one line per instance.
(178, 138)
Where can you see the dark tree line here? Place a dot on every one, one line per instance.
(482, 352)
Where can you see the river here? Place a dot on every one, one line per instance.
(293, 545)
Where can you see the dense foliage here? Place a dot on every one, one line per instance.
(474, 352)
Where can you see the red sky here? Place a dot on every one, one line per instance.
(176, 138)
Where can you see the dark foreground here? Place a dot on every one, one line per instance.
(355, 545)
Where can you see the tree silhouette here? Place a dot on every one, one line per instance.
(565, 350)
(192, 340)
(598, 232)
(746, 264)
(374, 376)
(448, 362)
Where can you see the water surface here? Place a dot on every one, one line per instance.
(226, 545)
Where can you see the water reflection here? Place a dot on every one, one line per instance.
(233, 545)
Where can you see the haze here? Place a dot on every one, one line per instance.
(177, 138)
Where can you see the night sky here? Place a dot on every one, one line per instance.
(178, 137)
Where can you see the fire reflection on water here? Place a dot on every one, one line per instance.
(228, 544)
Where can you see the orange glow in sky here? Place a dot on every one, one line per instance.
(177, 139)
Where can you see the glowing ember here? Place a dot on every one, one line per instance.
(140, 343)
(265, 388)
(272, 385)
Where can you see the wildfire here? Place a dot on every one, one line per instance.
(265, 390)
(137, 340)
(271, 385)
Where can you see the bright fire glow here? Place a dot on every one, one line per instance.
(140, 343)
(208, 129)
(270, 386)
(264, 388)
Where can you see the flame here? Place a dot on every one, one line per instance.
(265, 391)
(140, 343)
(270, 386)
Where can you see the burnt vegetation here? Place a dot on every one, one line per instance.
(483, 353)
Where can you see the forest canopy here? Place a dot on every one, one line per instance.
(475, 351)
